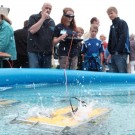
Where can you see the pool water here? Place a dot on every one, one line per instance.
(120, 98)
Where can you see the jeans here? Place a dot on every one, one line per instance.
(119, 63)
(39, 60)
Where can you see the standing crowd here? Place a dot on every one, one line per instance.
(33, 45)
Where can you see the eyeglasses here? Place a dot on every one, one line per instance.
(69, 16)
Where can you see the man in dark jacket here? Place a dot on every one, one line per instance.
(40, 37)
(21, 46)
(118, 45)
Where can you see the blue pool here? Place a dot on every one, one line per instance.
(116, 92)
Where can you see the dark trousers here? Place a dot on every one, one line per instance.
(22, 61)
(119, 63)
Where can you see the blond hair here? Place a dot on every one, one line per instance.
(103, 36)
(110, 9)
(94, 27)
(80, 29)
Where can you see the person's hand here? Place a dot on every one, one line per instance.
(63, 36)
(44, 14)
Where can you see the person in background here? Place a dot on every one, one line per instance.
(94, 20)
(80, 32)
(40, 38)
(105, 54)
(7, 41)
(92, 51)
(132, 53)
(21, 46)
(103, 40)
(64, 34)
(118, 44)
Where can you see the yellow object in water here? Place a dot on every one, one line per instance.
(62, 118)
(4, 102)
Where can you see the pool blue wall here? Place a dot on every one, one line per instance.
(14, 76)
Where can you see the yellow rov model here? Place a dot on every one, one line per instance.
(65, 117)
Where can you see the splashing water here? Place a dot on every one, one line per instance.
(65, 75)
(40, 112)
(83, 111)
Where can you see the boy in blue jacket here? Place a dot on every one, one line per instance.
(92, 51)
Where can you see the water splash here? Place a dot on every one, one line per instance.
(83, 111)
(66, 84)
(39, 111)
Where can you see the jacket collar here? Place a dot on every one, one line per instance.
(116, 20)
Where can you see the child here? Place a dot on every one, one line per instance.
(93, 20)
(105, 54)
(80, 32)
(92, 51)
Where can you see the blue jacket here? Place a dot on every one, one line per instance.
(7, 41)
(92, 46)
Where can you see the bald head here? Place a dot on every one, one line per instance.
(47, 7)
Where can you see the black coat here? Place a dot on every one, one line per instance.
(119, 37)
(42, 40)
(21, 41)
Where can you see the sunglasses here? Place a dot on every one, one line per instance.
(69, 16)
